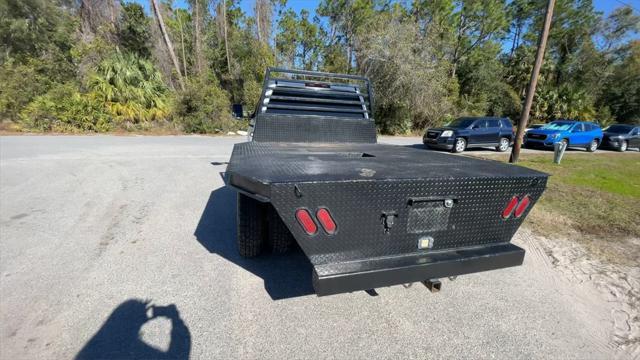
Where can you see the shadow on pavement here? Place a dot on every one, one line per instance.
(119, 336)
(285, 275)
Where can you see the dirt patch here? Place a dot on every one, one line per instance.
(600, 285)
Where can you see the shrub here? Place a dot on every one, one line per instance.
(64, 109)
(23, 81)
(204, 108)
(131, 89)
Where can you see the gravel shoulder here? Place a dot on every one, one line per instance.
(93, 230)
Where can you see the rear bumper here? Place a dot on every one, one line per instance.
(374, 273)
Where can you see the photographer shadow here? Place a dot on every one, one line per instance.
(119, 336)
(285, 275)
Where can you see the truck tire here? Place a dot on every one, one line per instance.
(251, 226)
(280, 238)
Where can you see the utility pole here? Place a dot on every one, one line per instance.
(524, 116)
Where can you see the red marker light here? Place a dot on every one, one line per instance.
(305, 220)
(522, 206)
(325, 219)
(511, 205)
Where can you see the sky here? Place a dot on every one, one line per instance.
(606, 6)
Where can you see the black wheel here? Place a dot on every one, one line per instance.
(459, 145)
(251, 226)
(280, 238)
(623, 146)
(503, 145)
(593, 146)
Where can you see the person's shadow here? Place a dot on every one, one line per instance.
(119, 336)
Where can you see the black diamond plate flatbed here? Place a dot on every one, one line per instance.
(400, 214)
(270, 163)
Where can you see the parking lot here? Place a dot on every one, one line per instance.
(125, 247)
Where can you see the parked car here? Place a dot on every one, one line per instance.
(467, 132)
(621, 136)
(572, 133)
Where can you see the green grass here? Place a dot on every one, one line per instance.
(591, 198)
(608, 173)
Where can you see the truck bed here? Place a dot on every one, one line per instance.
(269, 163)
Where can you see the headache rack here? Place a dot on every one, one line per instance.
(322, 100)
(299, 92)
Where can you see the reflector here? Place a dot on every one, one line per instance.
(325, 219)
(509, 208)
(305, 220)
(522, 206)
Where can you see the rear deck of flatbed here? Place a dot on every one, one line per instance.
(294, 162)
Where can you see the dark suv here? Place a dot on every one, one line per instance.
(621, 136)
(471, 131)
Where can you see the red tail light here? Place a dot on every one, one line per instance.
(511, 205)
(305, 220)
(325, 219)
(522, 206)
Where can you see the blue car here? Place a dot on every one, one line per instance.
(573, 133)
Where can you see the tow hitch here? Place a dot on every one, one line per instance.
(434, 285)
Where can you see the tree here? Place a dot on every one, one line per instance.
(133, 30)
(263, 11)
(99, 18)
(167, 41)
(287, 37)
(348, 19)
(477, 22)
(520, 12)
(198, 8)
(36, 42)
(299, 40)
(622, 91)
(412, 85)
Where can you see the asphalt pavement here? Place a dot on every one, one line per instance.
(124, 247)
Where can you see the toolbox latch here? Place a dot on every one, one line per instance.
(388, 219)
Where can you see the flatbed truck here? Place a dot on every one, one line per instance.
(367, 215)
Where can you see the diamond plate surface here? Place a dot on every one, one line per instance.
(288, 162)
(357, 206)
(433, 216)
(305, 129)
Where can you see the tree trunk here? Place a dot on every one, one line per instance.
(258, 25)
(514, 43)
(226, 42)
(184, 56)
(167, 41)
(349, 58)
(198, 43)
